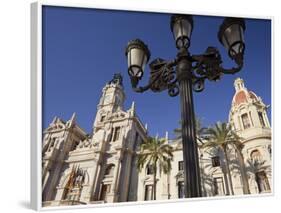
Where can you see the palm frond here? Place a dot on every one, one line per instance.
(155, 152)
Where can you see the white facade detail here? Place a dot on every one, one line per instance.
(81, 168)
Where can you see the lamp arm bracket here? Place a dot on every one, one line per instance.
(162, 76)
(134, 82)
(209, 65)
(232, 70)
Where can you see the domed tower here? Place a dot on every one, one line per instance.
(248, 118)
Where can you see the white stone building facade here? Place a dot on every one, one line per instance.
(81, 168)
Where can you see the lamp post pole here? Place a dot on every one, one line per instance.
(190, 150)
(190, 73)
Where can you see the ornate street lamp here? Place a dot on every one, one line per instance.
(138, 55)
(181, 27)
(231, 35)
(186, 73)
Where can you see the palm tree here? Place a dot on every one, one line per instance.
(221, 136)
(154, 152)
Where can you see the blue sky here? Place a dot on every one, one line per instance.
(83, 48)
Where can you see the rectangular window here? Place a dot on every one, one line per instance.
(105, 189)
(218, 186)
(246, 121)
(148, 192)
(262, 181)
(216, 161)
(149, 170)
(181, 189)
(116, 134)
(180, 165)
(261, 119)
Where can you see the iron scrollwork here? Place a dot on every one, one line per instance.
(205, 66)
(166, 75)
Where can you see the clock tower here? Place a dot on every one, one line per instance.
(111, 101)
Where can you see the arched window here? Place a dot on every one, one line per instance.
(109, 169)
(245, 121)
(261, 119)
(256, 155)
(149, 170)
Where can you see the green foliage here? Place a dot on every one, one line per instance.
(156, 153)
(221, 135)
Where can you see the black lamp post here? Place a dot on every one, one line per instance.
(190, 72)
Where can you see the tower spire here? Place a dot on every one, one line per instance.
(111, 101)
(239, 84)
(73, 117)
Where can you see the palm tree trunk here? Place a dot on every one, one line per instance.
(154, 181)
(246, 188)
(168, 176)
(228, 170)
(226, 182)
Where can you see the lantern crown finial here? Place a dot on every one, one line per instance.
(181, 27)
(137, 43)
(177, 17)
(227, 23)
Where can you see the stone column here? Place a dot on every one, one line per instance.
(127, 176)
(251, 119)
(115, 184)
(95, 190)
(59, 194)
(46, 176)
(240, 122)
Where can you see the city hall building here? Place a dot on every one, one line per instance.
(101, 167)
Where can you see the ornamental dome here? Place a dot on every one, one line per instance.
(242, 95)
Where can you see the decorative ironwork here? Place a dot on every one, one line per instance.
(205, 66)
(163, 76)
